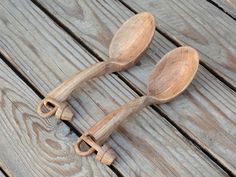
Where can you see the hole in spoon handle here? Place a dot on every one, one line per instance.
(51, 106)
(87, 140)
(104, 153)
(46, 111)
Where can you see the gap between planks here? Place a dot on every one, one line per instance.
(30, 85)
(19, 108)
(221, 8)
(177, 43)
(174, 41)
(4, 169)
(127, 87)
(3, 173)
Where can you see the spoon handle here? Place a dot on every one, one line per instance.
(62, 92)
(53, 102)
(98, 133)
(104, 128)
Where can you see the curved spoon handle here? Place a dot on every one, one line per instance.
(62, 92)
(104, 127)
(54, 100)
(98, 133)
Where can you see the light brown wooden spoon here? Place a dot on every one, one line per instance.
(127, 45)
(169, 78)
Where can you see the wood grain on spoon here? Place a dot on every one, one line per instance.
(128, 44)
(173, 74)
(169, 78)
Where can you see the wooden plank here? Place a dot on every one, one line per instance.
(201, 25)
(195, 23)
(229, 6)
(31, 146)
(47, 55)
(5, 169)
(2, 175)
(95, 25)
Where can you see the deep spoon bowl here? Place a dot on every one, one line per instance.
(172, 75)
(132, 40)
(169, 78)
(128, 44)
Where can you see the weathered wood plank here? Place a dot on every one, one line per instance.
(95, 23)
(229, 6)
(5, 169)
(208, 35)
(201, 25)
(31, 146)
(2, 175)
(46, 55)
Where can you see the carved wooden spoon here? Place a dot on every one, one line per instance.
(127, 45)
(170, 77)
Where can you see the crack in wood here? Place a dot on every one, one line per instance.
(4, 172)
(220, 8)
(178, 43)
(174, 41)
(31, 86)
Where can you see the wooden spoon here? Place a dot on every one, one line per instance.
(127, 45)
(170, 77)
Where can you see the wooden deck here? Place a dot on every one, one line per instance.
(43, 42)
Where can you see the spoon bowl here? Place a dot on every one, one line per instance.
(127, 45)
(172, 75)
(132, 39)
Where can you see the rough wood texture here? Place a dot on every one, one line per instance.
(31, 146)
(169, 78)
(47, 56)
(2, 175)
(206, 112)
(5, 169)
(173, 74)
(184, 20)
(201, 25)
(124, 51)
(229, 6)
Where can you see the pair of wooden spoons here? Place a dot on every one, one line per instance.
(169, 78)
(127, 45)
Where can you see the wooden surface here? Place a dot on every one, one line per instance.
(186, 21)
(31, 146)
(163, 152)
(124, 51)
(190, 26)
(147, 145)
(5, 170)
(1, 174)
(229, 6)
(206, 112)
(168, 79)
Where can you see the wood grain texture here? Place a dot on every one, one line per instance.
(5, 169)
(201, 25)
(46, 56)
(169, 78)
(2, 175)
(124, 52)
(31, 146)
(206, 111)
(229, 6)
(185, 20)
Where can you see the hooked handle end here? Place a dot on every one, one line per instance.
(61, 110)
(105, 154)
